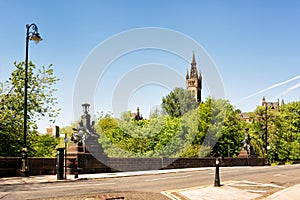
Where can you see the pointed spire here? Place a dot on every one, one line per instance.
(263, 101)
(193, 81)
(194, 71)
(200, 82)
(193, 59)
(187, 74)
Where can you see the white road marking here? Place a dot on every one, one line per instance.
(277, 175)
(271, 185)
(70, 186)
(256, 191)
(165, 178)
(170, 195)
(250, 183)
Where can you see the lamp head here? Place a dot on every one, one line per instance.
(35, 37)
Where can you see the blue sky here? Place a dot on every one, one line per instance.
(254, 44)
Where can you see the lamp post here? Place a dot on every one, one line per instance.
(34, 36)
(266, 135)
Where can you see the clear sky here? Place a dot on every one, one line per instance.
(255, 46)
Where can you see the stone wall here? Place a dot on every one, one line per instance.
(138, 164)
(10, 166)
(88, 164)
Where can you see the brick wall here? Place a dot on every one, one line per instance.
(10, 166)
(88, 164)
(137, 164)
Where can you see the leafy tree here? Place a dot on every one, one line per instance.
(263, 119)
(203, 117)
(191, 135)
(285, 142)
(230, 136)
(43, 145)
(41, 103)
(283, 132)
(67, 131)
(126, 116)
(178, 102)
(156, 113)
(195, 124)
(212, 127)
(144, 138)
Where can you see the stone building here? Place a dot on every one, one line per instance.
(193, 80)
(137, 116)
(245, 116)
(274, 105)
(53, 130)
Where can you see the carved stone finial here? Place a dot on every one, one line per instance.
(85, 107)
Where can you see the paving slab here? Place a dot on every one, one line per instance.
(217, 193)
(3, 194)
(291, 193)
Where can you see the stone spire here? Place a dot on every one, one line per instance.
(193, 59)
(187, 74)
(194, 71)
(282, 102)
(263, 103)
(193, 81)
(200, 80)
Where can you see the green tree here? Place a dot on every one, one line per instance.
(285, 142)
(43, 145)
(178, 102)
(195, 124)
(41, 103)
(156, 113)
(212, 127)
(144, 138)
(126, 116)
(231, 132)
(263, 119)
(204, 131)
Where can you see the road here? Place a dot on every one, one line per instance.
(263, 180)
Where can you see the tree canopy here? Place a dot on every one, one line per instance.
(178, 102)
(195, 134)
(282, 129)
(41, 103)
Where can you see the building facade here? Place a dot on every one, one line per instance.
(273, 105)
(193, 80)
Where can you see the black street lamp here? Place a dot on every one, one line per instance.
(34, 36)
(266, 135)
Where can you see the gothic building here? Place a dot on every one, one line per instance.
(193, 80)
(137, 116)
(273, 105)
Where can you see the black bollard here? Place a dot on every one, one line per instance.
(60, 164)
(217, 175)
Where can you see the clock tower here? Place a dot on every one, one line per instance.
(194, 81)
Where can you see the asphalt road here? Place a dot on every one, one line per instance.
(264, 180)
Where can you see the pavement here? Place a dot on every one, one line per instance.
(226, 191)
